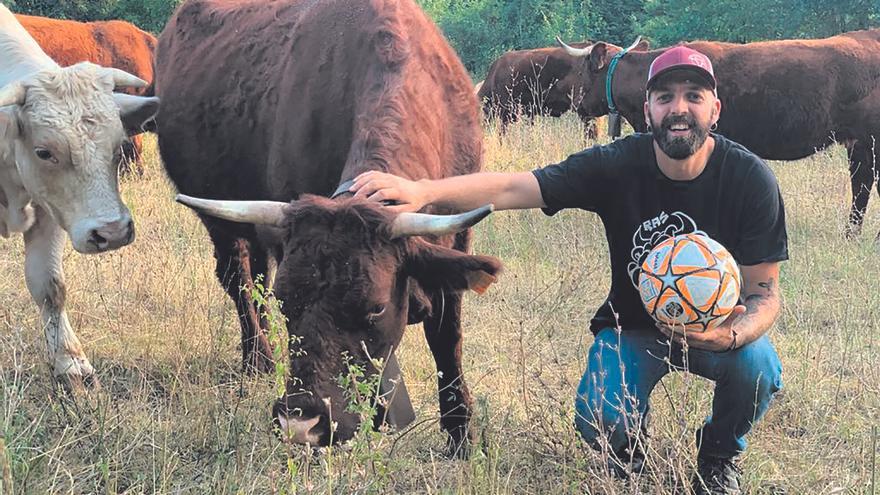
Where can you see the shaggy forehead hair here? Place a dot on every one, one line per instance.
(76, 102)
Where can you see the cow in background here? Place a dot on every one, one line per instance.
(783, 100)
(541, 81)
(117, 44)
(61, 132)
(368, 85)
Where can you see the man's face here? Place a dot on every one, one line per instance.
(680, 110)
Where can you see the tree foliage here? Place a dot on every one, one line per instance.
(481, 30)
(671, 21)
(149, 15)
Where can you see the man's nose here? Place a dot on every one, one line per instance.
(679, 105)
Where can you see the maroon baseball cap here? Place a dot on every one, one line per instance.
(684, 59)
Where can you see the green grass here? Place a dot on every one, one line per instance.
(176, 415)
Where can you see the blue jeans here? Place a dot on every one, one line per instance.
(623, 368)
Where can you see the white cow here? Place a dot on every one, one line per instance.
(61, 132)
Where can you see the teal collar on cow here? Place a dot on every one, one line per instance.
(608, 78)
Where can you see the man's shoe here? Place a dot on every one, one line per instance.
(629, 461)
(716, 476)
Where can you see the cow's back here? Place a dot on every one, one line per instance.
(116, 44)
(271, 100)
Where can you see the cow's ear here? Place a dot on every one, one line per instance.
(9, 128)
(136, 111)
(598, 54)
(440, 268)
(642, 46)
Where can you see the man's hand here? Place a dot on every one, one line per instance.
(716, 339)
(379, 186)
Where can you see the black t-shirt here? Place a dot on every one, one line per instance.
(735, 200)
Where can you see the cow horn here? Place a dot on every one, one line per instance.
(634, 44)
(574, 52)
(122, 79)
(409, 224)
(12, 94)
(255, 212)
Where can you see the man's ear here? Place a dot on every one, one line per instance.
(598, 54)
(439, 268)
(9, 128)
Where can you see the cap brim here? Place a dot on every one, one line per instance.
(702, 75)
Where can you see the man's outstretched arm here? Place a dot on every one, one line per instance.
(506, 191)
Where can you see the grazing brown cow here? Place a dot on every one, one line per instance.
(285, 100)
(116, 44)
(526, 83)
(783, 100)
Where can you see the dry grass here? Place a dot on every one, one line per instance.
(176, 416)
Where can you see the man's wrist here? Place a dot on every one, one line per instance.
(425, 191)
(733, 343)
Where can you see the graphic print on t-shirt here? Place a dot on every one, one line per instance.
(654, 231)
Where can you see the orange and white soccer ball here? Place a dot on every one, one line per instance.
(690, 281)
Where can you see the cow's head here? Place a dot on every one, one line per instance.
(589, 75)
(349, 270)
(65, 129)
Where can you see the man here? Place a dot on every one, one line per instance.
(680, 178)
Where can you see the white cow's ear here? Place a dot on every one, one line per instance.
(8, 124)
(136, 111)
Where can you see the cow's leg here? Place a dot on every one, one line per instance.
(237, 261)
(443, 332)
(44, 243)
(862, 177)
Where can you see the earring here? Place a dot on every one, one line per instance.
(713, 127)
(650, 129)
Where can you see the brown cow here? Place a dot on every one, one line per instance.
(116, 44)
(274, 100)
(781, 99)
(526, 83)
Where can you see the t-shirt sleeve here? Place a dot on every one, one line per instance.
(580, 181)
(763, 238)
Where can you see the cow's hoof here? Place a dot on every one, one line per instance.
(75, 374)
(852, 231)
(259, 364)
(458, 448)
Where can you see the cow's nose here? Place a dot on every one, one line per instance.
(112, 235)
(297, 429)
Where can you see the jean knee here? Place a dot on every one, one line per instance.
(760, 369)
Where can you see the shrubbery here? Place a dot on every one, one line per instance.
(480, 30)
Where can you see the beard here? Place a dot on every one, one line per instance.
(681, 147)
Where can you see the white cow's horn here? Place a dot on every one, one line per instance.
(574, 52)
(122, 79)
(255, 212)
(12, 94)
(409, 224)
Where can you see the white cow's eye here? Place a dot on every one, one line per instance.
(44, 154)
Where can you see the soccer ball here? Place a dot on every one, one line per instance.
(690, 281)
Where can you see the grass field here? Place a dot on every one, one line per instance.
(176, 415)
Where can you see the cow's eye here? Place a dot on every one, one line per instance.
(375, 312)
(44, 154)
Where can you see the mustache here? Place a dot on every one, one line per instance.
(671, 120)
